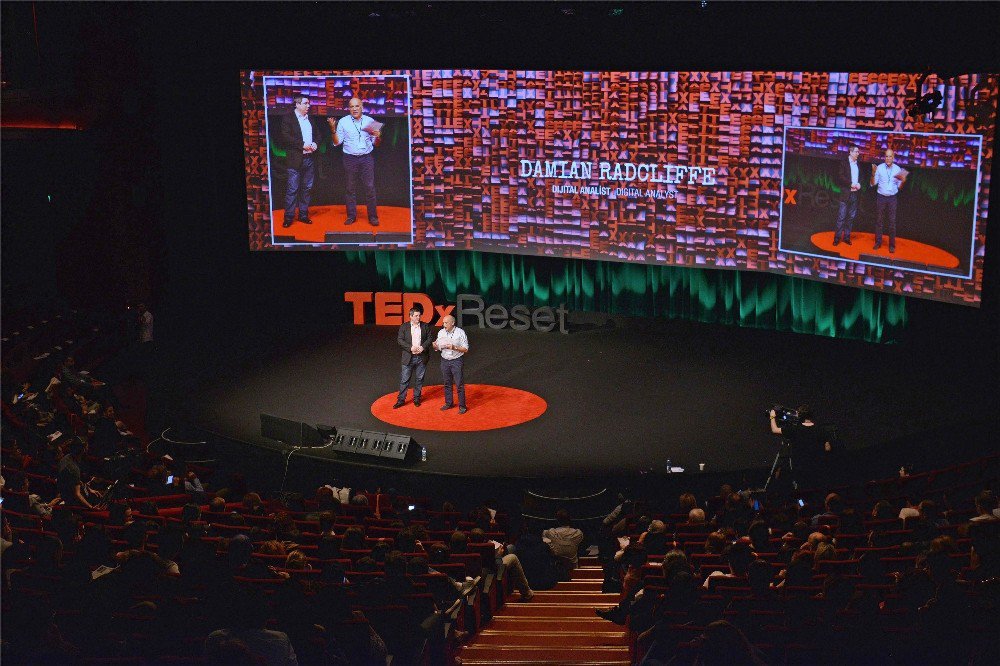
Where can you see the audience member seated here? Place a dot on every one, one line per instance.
(328, 543)
(243, 564)
(723, 643)
(630, 573)
(443, 520)
(349, 629)
(984, 556)
(284, 528)
(735, 513)
(354, 538)
(253, 505)
(247, 618)
(760, 579)
(760, 536)
(696, 521)
(108, 434)
(537, 561)
(986, 507)
(506, 564)
(654, 539)
(799, 572)
(673, 611)
(686, 502)
(738, 556)
(31, 636)
(564, 540)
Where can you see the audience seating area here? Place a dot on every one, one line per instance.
(179, 563)
(888, 590)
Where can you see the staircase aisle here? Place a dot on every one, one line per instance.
(556, 627)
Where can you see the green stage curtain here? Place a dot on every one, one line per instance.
(739, 298)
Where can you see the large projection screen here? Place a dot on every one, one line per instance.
(728, 170)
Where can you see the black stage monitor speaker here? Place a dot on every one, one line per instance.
(342, 437)
(312, 436)
(281, 430)
(400, 447)
(375, 444)
(367, 445)
(350, 440)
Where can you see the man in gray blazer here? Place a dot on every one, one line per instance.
(415, 339)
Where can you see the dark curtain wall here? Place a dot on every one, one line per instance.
(81, 204)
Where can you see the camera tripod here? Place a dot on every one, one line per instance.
(784, 455)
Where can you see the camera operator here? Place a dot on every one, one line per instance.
(812, 443)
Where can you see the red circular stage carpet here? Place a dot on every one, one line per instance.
(330, 219)
(862, 242)
(490, 407)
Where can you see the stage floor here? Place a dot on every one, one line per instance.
(621, 399)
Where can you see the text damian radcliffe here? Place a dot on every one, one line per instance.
(670, 174)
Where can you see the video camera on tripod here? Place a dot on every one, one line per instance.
(785, 416)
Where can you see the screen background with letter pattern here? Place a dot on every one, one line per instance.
(470, 129)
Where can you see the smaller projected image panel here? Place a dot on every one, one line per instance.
(338, 157)
(897, 200)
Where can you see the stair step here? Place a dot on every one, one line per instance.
(588, 624)
(588, 573)
(572, 596)
(544, 655)
(564, 661)
(585, 585)
(534, 609)
(555, 637)
(557, 626)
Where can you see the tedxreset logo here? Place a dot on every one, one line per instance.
(390, 307)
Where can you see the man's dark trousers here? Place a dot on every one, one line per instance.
(360, 168)
(885, 206)
(417, 366)
(848, 210)
(299, 191)
(451, 371)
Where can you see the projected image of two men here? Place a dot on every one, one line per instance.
(902, 200)
(339, 156)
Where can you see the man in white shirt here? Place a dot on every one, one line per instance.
(299, 136)
(359, 134)
(888, 178)
(564, 541)
(453, 345)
